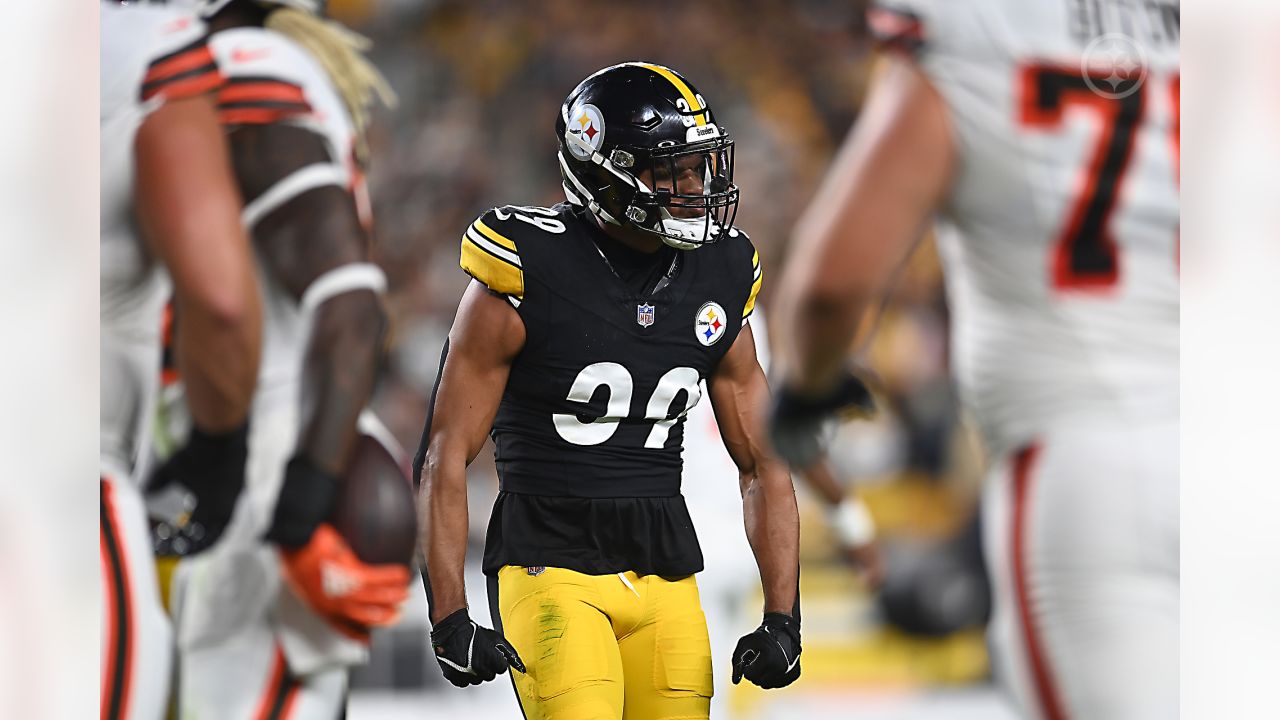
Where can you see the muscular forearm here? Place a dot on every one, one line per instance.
(486, 336)
(217, 354)
(342, 360)
(773, 529)
(442, 509)
(189, 209)
(825, 325)
(824, 304)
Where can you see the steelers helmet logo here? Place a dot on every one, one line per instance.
(585, 122)
(710, 323)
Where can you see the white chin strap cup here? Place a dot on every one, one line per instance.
(688, 233)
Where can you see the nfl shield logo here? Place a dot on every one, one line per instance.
(644, 315)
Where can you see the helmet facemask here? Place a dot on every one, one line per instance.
(691, 200)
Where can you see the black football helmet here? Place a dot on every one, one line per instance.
(639, 146)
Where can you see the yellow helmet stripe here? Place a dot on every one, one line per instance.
(685, 91)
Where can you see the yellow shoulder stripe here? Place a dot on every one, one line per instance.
(755, 288)
(498, 273)
(495, 236)
(683, 88)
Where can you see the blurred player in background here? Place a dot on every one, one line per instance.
(170, 216)
(1046, 136)
(295, 105)
(580, 345)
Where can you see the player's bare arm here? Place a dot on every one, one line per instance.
(740, 397)
(311, 235)
(190, 212)
(891, 174)
(188, 207)
(305, 242)
(889, 177)
(849, 520)
(769, 656)
(486, 336)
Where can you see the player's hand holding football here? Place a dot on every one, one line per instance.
(796, 420)
(770, 656)
(469, 654)
(206, 476)
(329, 577)
(319, 564)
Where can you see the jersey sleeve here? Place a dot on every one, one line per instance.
(492, 257)
(264, 81)
(743, 255)
(183, 64)
(757, 278)
(934, 33)
(896, 27)
(261, 100)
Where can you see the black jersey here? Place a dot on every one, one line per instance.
(589, 432)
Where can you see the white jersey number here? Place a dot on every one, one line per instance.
(620, 385)
(541, 218)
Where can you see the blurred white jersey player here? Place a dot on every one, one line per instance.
(268, 629)
(164, 170)
(1045, 137)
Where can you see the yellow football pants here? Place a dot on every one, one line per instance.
(605, 647)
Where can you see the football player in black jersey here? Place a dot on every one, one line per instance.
(579, 346)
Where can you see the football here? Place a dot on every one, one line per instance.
(375, 508)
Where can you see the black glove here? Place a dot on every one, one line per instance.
(796, 422)
(196, 491)
(469, 654)
(306, 499)
(770, 656)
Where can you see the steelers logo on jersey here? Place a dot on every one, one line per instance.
(587, 123)
(710, 323)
